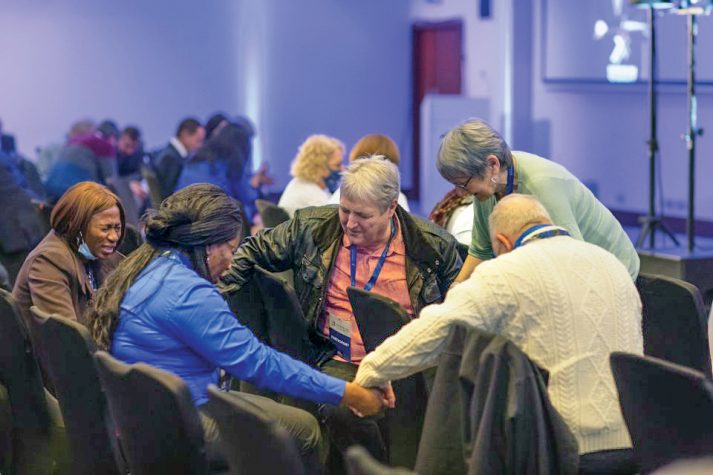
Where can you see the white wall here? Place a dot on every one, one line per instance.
(150, 63)
(597, 131)
(324, 66)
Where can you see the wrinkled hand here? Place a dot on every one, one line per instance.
(363, 402)
(389, 396)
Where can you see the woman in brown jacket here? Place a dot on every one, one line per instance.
(62, 273)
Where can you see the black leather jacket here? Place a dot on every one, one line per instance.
(307, 244)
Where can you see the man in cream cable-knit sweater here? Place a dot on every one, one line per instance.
(566, 303)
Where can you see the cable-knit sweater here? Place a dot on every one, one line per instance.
(566, 303)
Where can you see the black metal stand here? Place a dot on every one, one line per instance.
(651, 222)
(693, 130)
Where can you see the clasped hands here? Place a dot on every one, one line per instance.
(368, 401)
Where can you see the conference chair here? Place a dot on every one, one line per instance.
(271, 214)
(67, 349)
(155, 191)
(360, 462)
(286, 326)
(674, 322)
(264, 446)
(120, 186)
(668, 409)
(379, 317)
(37, 443)
(158, 424)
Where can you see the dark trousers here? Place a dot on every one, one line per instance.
(344, 427)
(610, 462)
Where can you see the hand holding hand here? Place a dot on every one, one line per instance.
(364, 402)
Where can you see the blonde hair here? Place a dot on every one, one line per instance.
(310, 163)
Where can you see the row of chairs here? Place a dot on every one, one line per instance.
(374, 330)
(118, 418)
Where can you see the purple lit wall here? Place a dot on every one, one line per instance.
(296, 68)
(149, 63)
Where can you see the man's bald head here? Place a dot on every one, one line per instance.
(513, 215)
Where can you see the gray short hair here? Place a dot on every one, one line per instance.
(515, 213)
(373, 179)
(464, 149)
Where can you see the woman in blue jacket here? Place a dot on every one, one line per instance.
(160, 307)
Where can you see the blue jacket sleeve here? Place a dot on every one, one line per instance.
(203, 321)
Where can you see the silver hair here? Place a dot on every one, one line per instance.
(464, 149)
(515, 213)
(373, 179)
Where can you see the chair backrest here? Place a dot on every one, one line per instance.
(287, 329)
(674, 322)
(155, 192)
(120, 186)
(19, 372)
(668, 409)
(132, 240)
(159, 427)
(252, 443)
(360, 462)
(271, 214)
(379, 317)
(67, 349)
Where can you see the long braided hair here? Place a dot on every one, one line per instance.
(190, 220)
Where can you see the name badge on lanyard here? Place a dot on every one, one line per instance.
(340, 333)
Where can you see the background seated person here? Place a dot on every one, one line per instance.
(566, 303)
(375, 144)
(369, 242)
(318, 162)
(161, 308)
(62, 273)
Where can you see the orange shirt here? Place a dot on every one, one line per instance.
(391, 283)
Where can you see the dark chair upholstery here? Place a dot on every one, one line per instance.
(6, 451)
(120, 186)
(674, 322)
(36, 443)
(67, 349)
(668, 409)
(155, 192)
(159, 427)
(271, 214)
(379, 317)
(360, 462)
(286, 326)
(132, 240)
(252, 443)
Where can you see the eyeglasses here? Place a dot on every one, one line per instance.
(464, 186)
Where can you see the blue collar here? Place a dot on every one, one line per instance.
(510, 185)
(539, 231)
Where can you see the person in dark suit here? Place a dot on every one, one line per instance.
(169, 161)
(21, 227)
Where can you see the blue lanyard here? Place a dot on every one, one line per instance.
(529, 236)
(510, 186)
(377, 270)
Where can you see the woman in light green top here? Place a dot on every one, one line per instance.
(475, 157)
